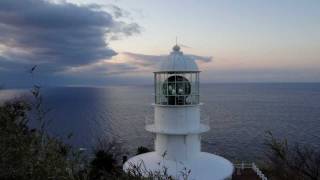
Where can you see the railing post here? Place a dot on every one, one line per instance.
(241, 166)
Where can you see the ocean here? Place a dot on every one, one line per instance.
(239, 115)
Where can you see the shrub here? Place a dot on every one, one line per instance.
(291, 162)
(142, 149)
(30, 153)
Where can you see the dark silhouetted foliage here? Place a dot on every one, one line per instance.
(291, 162)
(142, 149)
(29, 153)
(103, 163)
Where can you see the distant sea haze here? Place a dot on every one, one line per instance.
(240, 115)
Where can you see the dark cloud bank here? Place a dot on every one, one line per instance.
(63, 34)
(67, 42)
(56, 36)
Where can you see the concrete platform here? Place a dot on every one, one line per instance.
(204, 166)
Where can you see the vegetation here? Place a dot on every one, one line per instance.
(142, 150)
(30, 153)
(291, 162)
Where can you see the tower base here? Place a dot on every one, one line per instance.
(204, 166)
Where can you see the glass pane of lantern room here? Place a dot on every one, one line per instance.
(193, 84)
(167, 90)
(157, 87)
(159, 84)
(188, 76)
(198, 85)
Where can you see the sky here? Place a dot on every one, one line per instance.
(100, 42)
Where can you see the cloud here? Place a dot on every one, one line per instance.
(143, 59)
(101, 69)
(201, 59)
(117, 12)
(125, 63)
(58, 35)
(154, 60)
(68, 42)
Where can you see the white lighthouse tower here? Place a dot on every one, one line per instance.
(177, 125)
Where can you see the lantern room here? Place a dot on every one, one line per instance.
(177, 80)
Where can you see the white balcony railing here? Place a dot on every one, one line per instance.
(252, 166)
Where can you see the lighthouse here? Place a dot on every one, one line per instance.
(177, 125)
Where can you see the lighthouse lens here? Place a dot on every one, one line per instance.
(176, 89)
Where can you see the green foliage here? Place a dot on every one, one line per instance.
(140, 170)
(31, 153)
(291, 162)
(103, 164)
(27, 153)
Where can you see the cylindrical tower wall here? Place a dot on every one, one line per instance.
(178, 147)
(179, 118)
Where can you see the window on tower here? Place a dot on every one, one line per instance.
(177, 88)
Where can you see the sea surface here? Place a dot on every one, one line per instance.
(239, 115)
